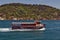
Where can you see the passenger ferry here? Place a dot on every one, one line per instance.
(27, 26)
(24, 26)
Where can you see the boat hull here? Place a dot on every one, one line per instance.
(28, 29)
(9, 29)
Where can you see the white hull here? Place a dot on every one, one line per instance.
(9, 29)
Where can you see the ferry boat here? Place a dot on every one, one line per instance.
(27, 26)
(24, 26)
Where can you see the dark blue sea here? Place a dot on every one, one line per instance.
(52, 31)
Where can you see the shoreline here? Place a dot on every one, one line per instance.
(28, 19)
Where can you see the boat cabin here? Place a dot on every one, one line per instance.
(27, 25)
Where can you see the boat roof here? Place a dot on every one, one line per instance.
(23, 22)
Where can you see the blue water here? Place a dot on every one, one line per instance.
(52, 31)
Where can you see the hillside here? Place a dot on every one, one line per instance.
(29, 12)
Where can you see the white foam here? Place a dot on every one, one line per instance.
(42, 29)
(9, 29)
(4, 29)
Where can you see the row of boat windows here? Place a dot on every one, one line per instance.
(25, 27)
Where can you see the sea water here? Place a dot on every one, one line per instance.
(52, 31)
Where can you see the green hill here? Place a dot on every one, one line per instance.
(29, 11)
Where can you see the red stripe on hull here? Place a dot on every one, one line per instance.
(28, 25)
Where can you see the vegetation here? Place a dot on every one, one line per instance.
(29, 12)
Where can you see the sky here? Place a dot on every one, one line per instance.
(53, 3)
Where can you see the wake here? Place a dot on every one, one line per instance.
(9, 29)
(5, 29)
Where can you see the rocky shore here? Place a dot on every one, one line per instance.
(21, 18)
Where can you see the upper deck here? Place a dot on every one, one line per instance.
(25, 22)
